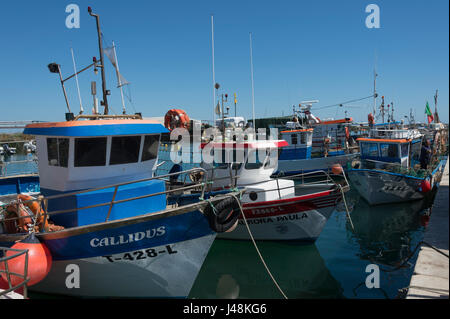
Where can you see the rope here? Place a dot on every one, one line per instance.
(346, 207)
(340, 104)
(257, 250)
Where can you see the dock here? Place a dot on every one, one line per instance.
(430, 279)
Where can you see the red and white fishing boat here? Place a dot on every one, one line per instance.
(274, 208)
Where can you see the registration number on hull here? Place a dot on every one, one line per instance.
(141, 254)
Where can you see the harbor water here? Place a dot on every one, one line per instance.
(332, 267)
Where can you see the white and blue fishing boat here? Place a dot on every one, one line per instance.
(97, 206)
(387, 171)
(315, 145)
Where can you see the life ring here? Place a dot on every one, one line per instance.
(224, 216)
(175, 118)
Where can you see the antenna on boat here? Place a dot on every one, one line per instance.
(56, 68)
(102, 64)
(213, 72)
(253, 88)
(436, 116)
(119, 80)
(94, 93)
(76, 80)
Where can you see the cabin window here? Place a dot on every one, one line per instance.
(405, 150)
(294, 139)
(90, 151)
(303, 138)
(389, 150)
(369, 149)
(58, 151)
(125, 149)
(151, 145)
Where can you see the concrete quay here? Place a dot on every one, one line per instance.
(430, 279)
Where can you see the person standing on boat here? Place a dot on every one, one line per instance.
(425, 155)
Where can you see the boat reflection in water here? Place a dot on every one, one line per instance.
(233, 270)
(387, 234)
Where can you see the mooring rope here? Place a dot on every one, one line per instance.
(257, 249)
(346, 207)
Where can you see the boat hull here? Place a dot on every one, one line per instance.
(300, 218)
(378, 187)
(155, 255)
(290, 167)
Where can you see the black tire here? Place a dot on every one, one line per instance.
(224, 215)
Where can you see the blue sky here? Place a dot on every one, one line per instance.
(302, 50)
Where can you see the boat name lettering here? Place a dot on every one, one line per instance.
(129, 238)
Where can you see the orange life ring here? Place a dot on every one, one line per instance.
(175, 118)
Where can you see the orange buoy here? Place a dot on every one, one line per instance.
(39, 261)
(337, 169)
(425, 186)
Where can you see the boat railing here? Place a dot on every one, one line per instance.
(307, 179)
(395, 133)
(9, 168)
(43, 201)
(393, 167)
(4, 269)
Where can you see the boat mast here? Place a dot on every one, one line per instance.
(102, 65)
(253, 89)
(374, 92)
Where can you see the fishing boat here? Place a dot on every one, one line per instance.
(315, 145)
(98, 208)
(387, 171)
(274, 208)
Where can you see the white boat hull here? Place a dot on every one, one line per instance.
(378, 187)
(301, 218)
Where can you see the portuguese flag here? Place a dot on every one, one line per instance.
(429, 113)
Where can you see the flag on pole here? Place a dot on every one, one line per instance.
(109, 52)
(217, 109)
(429, 113)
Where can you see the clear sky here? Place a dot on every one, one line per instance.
(302, 50)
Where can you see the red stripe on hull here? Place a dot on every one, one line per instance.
(291, 206)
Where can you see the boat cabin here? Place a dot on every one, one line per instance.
(386, 150)
(300, 144)
(79, 155)
(249, 165)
